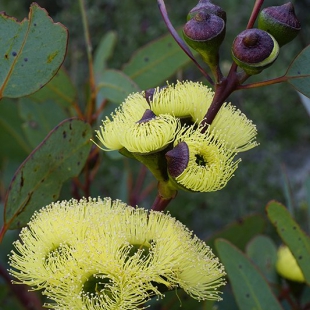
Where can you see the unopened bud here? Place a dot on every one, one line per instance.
(207, 6)
(204, 33)
(254, 50)
(280, 21)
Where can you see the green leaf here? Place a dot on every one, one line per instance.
(292, 235)
(104, 52)
(11, 134)
(241, 232)
(298, 72)
(31, 52)
(115, 86)
(249, 286)
(40, 118)
(263, 252)
(60, 90)
(38, 180)
(154, 63)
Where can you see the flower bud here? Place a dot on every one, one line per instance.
(204, 33)
(208, 7)
(280, 21)
(254, 50)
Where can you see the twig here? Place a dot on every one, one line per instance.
(279, 79)
(179, 41)
(255, 12)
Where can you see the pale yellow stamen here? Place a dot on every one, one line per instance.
(211, 164)
(151, 135)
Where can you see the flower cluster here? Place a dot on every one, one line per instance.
(169, 123)
(102, 254)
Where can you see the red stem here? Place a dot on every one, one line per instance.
(279, 79)
(258, 4)
(135, 194)
(179, 41)
(160, 203)
(222, 91)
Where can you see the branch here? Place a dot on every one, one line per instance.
(258, 4)
(179, 41)
(277, 80)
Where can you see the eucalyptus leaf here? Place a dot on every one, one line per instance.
(263, 252)
(298, 73)
(39, 179)
(60, 90)
(11, 133)
(115, 86)
(31, 52)
(240, 232)
(249, 286)
(103, 52)
(40, 118)
(154, 63)
(292, 235)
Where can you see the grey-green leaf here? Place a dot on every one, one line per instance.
(115, 86)
(298, 73)
(250, 288)
(154, 63)
(11, 134)
(263, 252)
(60, 90)
(31, 52)
(240, 232)
(104, 52)
(39, 179)
(39, 118)
(292, 235)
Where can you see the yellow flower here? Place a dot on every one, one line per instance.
(182, 100)
(108, 279)
(201, 162)
(129, 112)
(233, 127)
(175, 258)
(151, 134)
(45, 248)
(128, 127)
(287, 266)
(103, 254)
(193, 99)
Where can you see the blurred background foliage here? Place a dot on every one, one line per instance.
(277, 169)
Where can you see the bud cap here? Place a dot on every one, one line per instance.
(280, 21)
(254, 50)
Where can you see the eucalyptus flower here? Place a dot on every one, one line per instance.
(112, 129)
(193, 99)
(144, 125)
(182, 99)
(150, 134)
(201, 162)
(103, 254)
